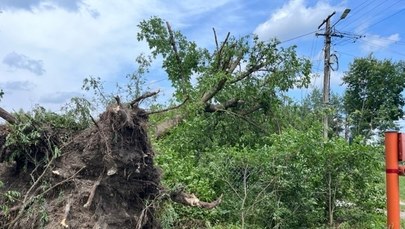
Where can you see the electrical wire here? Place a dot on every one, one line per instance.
(356, 10)
(364, 23)
(386, 18)
(384, 47)
(297, 37)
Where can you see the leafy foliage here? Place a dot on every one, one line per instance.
(294, 176)
(33, 140)
(373, 98)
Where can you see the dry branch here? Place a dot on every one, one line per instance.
(7, 116)
(142, 97)
(216, 38)
(191, 200)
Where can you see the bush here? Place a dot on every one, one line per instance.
(295, 180)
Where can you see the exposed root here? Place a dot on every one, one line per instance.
(93, 191)
(66, 214)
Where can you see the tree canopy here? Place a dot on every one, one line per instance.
(373, 97)
(242, 75)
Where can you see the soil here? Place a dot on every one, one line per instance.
(112, 159)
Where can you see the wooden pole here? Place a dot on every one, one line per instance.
(392, 179)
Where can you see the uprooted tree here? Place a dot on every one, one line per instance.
(102, 176)
(77, 177)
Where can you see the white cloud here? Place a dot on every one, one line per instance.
(373, 43)
(76, 39)
(71, 5)
(58, 97)
(17, 86)
(293, 19)
(21, 61)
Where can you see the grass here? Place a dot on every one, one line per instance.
(402, 188)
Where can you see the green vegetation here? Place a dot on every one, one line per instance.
(373, 96)
(237, 134)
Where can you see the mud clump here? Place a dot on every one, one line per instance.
(104, 178)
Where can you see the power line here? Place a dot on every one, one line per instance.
(364, 22)
(303, 35)
(384, 47)
(386, 18)
(359, 18)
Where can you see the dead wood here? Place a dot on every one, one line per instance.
(136, 101)
(7, 116)
(191, 200)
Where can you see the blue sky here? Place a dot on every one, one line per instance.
(49, 46)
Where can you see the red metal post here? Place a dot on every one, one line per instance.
(392, 180)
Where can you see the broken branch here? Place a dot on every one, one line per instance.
(191, 200)
(7, 116)
(142, 97)
(216, 38)
(223, 106)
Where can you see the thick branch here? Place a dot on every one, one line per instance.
(219, 53)
(177, 56)
(247, 73)
(173, 43)
(142, 97)
(7, 116)
(208, 95)
(223, 106)
(235, 64)
(163, 128)
(192, 200)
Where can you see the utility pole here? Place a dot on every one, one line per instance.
(326, 68)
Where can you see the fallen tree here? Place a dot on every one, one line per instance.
(99, 177)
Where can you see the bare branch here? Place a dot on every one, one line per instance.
(168, 109)
(142, 97)
(191, 200)
(95, 122)
(117, 98)
(7, 116)
(219, 53)
(216, 38)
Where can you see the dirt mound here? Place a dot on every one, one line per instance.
(104, 178)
